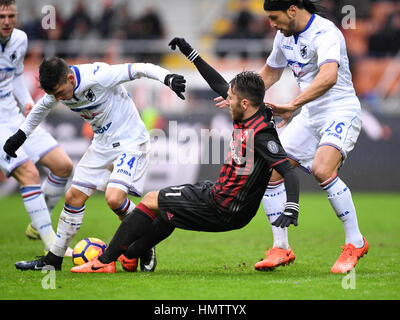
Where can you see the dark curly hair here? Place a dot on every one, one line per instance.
(249, 85)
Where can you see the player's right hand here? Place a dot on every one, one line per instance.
(14, 142)
(177, 84)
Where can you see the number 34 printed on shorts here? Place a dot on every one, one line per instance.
(124, 159)
(336, 129)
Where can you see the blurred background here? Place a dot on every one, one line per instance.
(232, 35)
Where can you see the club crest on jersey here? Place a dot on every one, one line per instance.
(303, 51)
(272, 147)
(90, 95)
(13, 56)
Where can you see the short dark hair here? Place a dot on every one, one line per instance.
(249, 85)
(52, 72)
(283, 5)
(6, 3)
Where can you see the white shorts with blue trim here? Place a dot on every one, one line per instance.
(118, 168)
(37, 145)
(303, 136)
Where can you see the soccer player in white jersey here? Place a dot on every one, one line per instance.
(41, 147)
(117, 159)
(321, 136)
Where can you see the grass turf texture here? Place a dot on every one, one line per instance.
(213, 266)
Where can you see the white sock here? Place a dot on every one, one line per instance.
(36, 207)
(68, 226)
(339, 196)
(53, 188)
(274, 201)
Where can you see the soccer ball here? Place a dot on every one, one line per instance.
(87, 249)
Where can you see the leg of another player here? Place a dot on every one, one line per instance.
(325, 166)
(134, 226)
(274, 201)
(60, 166)
(28, 177)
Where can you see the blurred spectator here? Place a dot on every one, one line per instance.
(151, 24)
(386, 42)
(105, 22)
(56, 34)
(244, 26)
(33, 26)
(78, 24)
(121, 24)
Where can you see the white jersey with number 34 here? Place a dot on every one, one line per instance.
(100, 99)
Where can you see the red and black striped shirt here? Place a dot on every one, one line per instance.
(254, 150)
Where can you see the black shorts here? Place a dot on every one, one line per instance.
(190, 207)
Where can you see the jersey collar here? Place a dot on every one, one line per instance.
(77, 77)
(296, 36)
(3, 42)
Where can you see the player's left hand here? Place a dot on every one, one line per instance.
(177, 84)
(28, 108)
(286, 219)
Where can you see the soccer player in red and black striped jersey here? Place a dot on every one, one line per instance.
(232, 201)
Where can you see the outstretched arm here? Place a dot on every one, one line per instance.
(112, 75)
(213, 78)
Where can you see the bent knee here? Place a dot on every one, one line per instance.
(115, 198)
(63, 168)
(322, 173)
(150, 200)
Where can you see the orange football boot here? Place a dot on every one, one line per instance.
(95, 266)
(129, 265)
(349, 257)
(275, 257)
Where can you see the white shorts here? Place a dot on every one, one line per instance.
(303, 136)
(117, 168)
(38, 144)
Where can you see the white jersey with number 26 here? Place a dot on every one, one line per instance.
(319, 43)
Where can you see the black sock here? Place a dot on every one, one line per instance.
(134, 226)
(53, 260)
(161, 229)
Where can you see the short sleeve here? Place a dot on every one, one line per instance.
(327, 46)
(268, 146)
(276, 59)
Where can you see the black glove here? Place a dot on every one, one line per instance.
(14, 142)
(286, 219)
(185, 48)
(177, 84)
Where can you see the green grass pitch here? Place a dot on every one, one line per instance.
(218, 266)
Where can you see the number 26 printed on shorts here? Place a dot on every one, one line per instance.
(336, 129)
